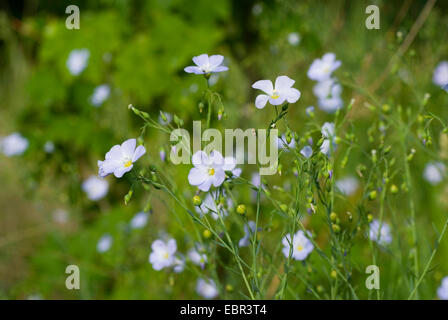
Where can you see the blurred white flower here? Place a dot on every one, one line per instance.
(162, 154)
(257, 9)
(194, 88)
(321, 69)
(283, 144)
(100, 94)
(207, 170)
(328, 132)
(255, 179)
(95, 188)
(179, 264)
(139, 220)
(206, 64)
(384, 234)
(328, 93)
(306, 151)
(206, 288)
(283, 91)
(49, 147)
(442, 291)
(213, 79)
(300, 245)
(440, 76)
(168, 118)
(330, 105)
(120, 159)
(434, 172)
(77, 61)
(60, 216)
(104, 243)
(309, 111)
(325, 147)
(13, 145)
(230, 165)
(249, 229)
(197, 256)
(347, 185)
(294, 38)
(162, 255)
(209, 206)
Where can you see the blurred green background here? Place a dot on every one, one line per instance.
(139, 48)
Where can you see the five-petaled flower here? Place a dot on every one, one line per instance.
(162, 255)
(207, 64)
(206, 288)
(299, 248)
(208, 170)
(197, 256)
(380, 232)
(95, 188)
(120, 159)
(321, 69)
(278, 94)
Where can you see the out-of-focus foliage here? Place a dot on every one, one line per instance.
(139, 48)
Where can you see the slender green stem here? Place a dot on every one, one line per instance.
(425, 270)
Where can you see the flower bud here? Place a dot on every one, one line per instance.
(163, 116)
(393, 189)
(385, 108)
(241, 209)
(333, 216)
(334, 274)
(207, 234)
(201, 106)
(372, 195)
(128, 197)
(197, 201)
(369, 218)
(288, 137)
(336, 228)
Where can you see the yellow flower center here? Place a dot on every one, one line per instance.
(211, 171)
(299, 248)
(165, 255)
(275, 95)
(128, 163)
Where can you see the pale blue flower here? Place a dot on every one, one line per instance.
(100, 94)
(120, 159)
(206, 288)
(322, 69)
(306, 151)
(206, 64)
(300, 246)
(13, 145)
(163, 254)
(440, 76)
(77, 61)
(278, 94)
(95, 188)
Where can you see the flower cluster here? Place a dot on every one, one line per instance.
(327, 90)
